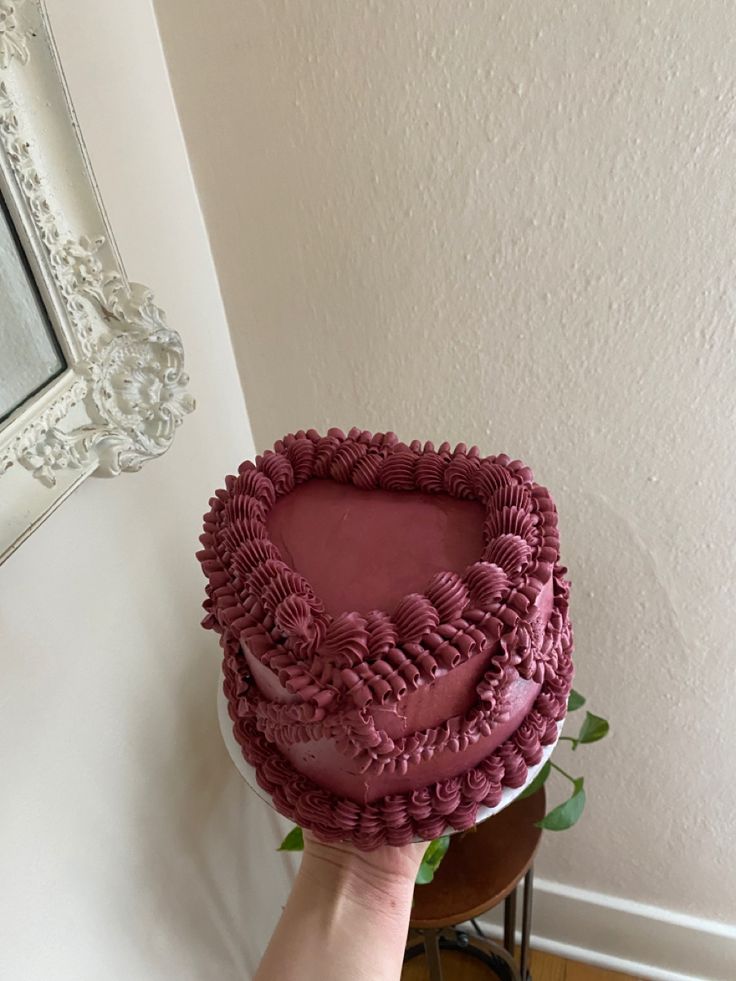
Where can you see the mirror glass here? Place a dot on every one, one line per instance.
(30, 356)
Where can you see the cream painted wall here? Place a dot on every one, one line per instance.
(512, 223)
(125, 833)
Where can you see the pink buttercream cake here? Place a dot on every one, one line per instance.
(394, 622)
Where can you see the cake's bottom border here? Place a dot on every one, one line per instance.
(452, 804)
(248, 772)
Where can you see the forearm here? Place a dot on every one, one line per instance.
(345, 919)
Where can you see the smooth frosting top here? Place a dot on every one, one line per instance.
(365, 551)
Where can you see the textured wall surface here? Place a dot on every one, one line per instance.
(125, 831)
(512, 224)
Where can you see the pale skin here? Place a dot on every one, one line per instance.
(347, 915)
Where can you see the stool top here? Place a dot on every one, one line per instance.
(482, 866)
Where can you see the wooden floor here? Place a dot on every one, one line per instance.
(544, 967)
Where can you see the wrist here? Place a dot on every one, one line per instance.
(384, 884)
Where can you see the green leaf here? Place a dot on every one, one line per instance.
(436, 851)
(424, 875)
(537, 781)
(431, 859)
(563, 816)
(592, 729)
(575, 701)
(294, 841)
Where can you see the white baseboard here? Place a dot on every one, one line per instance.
(621, 935)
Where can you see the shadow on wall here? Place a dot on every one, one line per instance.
(623, 602)
(201, 835)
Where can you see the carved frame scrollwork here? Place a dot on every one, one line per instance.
(124, 392)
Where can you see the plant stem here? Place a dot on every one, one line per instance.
(563, 772)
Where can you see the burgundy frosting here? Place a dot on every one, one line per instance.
(334, 671)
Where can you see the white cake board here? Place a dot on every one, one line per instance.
(248, 773)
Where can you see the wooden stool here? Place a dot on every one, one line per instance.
(482, 867)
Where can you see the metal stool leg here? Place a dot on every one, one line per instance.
(509, 921)
(526, 924)
(432, 949)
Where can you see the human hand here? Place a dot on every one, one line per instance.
(347, 915)
(385, 874)
(387, 863)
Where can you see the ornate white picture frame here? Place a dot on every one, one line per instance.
(123, 393)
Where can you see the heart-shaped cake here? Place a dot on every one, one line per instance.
(394, 621)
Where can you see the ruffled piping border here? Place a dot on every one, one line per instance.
(255, 598)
